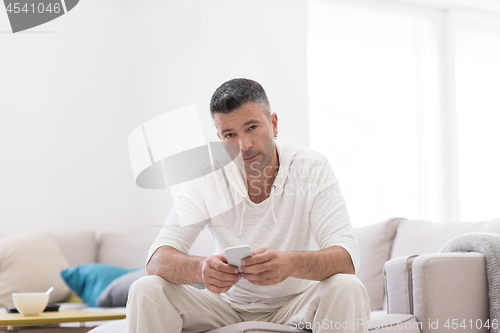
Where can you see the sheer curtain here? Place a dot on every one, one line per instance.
(478, 115)
(376, 90)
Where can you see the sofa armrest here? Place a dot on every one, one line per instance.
(398, 285)
(450, 288)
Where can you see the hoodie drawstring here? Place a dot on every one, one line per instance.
(242, 213)
(272, 205)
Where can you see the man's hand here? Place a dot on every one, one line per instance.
(266, 267)
(218, 276)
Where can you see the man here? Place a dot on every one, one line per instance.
(291, 213)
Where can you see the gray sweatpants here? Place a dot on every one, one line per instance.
(339, 303)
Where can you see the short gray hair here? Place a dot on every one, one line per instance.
(234, 93)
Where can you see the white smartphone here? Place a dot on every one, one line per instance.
(235, 254)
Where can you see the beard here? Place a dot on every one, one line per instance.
(262, 160)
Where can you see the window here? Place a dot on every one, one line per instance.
(478, 118)
(380, 111)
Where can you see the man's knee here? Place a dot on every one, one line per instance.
(150, 284)
(347, 283)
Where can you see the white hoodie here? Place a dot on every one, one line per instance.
(304, 212)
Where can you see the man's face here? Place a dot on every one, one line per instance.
(250, 129)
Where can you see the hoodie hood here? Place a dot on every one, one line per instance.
(237, 182)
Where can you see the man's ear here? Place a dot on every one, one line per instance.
(218, 135)
(274, 123)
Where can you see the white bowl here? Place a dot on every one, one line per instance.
(30, 304)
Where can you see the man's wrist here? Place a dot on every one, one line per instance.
(200, 269)
(292, 263)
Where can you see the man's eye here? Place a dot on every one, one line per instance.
(228, 136)
(252, 127)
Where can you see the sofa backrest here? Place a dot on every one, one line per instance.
(125, 249)
(375, 243)
(421, 237)
(121, 249)
(78, 247)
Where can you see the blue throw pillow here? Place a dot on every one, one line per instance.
(88, 281)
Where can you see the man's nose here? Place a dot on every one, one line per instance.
(245, 143)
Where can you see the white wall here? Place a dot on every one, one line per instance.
(72, 90)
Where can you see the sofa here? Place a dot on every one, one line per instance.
(412, 287)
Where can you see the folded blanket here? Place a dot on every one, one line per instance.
(489, 245)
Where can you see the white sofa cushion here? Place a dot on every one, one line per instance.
(31, 263)
(421, 237)
(375, 242)
(78, 247)
(125, 249)
(381, 322)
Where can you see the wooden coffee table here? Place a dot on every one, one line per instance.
(16, 322)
